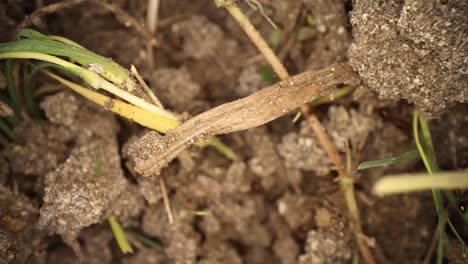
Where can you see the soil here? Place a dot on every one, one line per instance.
(279, 201)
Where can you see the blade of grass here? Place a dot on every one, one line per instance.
(120, 236)
(89, 77)
(421, 181)
(139, 115)
(220, 146)
(422, 146)
(332, 97)
(192, 212)
(31, 105)
(407, 156)
(438, 202)
(428, 145)
(427, 152)
(97, 165)
(9, 132)
(146, 240)
(48, 88)
(12, 92)
(29, 40)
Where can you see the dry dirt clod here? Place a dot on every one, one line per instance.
(175, 87)
(180, 239)
(330, 23)
(96, 244)
(202, 38)
(301, 149)
(19, 238)
(78, 192)
(128, 206)
(215, 252)
(45, 147)
(265, 163)
(55, 111)
(296, 210)
(250, 81)
(75, 196)
(414, 50)
(326, 247)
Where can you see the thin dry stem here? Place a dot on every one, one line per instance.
(152, 15)
(146, 88)
(432, 246)
(256, 38)
(167, 204)
(312, 120)
(324, 138)
(255, 5)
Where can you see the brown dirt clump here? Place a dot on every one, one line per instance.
(301, 149)
(176, 87)
(79, 191)
(325, 247)
(19, 238)
(412, 50)
(44, 148)
(75, 197)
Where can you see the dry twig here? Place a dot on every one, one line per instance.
(252, 111)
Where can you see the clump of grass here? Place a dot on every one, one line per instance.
(96, 71)
(435, 180)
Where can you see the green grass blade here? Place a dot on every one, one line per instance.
(12, 92)
(39, 43)
(146, 240)
(31, 105)
(455, 232)
(97, 165)
(407, 156)
(428, 145)
(427, 152)
(120, 236)
(29, 33)
(332, 97)
(455, 204)
(9, 132)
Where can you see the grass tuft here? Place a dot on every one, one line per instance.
(95, 70)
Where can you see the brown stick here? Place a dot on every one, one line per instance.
(252, 111)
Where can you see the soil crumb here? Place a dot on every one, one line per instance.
(414, 50)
